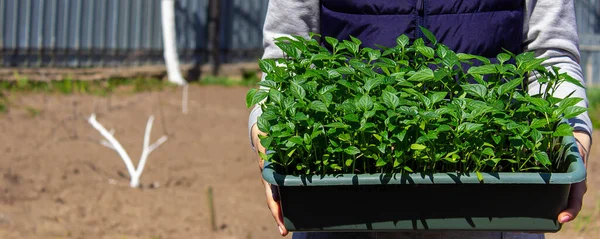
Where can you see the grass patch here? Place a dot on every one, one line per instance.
(593, 95)
(103, 88)
(249, 78)
(32, 111)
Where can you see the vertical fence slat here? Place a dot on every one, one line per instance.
(15, 29)
(53, 23)
(27, 28)
(103, 19)
(40, 16)
(2, 29)
(90, 23)
(148, 31)
(114, 27)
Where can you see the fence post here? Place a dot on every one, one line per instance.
(214, 15)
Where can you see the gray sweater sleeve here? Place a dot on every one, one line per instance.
(551, 32)
(285, 18)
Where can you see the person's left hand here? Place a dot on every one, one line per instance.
(578, 189)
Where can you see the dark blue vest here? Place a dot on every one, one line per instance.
(481, 27)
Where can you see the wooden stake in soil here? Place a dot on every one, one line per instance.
(184, 100)
(211, 209)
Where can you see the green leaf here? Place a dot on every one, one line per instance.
(318, 106)
(381, 162)
(332, 41)
(390, 99)
(571, 101)
(450, 60)
(417, 147)
(374, 54)
(418, 42)
(345, 137)
(437, 97)
(468, 127)
(429, 35)
(300, 116)
(266, 142)
(537, 123)
(352, 118)
(509, 86)
(476, 90)
(335, 167)
(307, 139)
(530, 65)
(311, 87)
(349, 162)
(573, 111)
(503, 57)
(371, 83)
(369, 114)
(488, 152)
(422, 75)
(442, 51)
(263, 156)
(483, 70)
(327, 98)
(344, 70)
(355, 40)
(259, 97)
(351, 46)
(426, 51)
(464, 57)
(563, 130)
(519, 127)
(408, 169)
(296, 140)
(337, 125)
(327, 89)
(536, 135)
(542, 157)
(297, 91)
(496, 138)
(250, 97)
(479, 176)
(332, 74)
(263, 124)
(402, 40)
(288, 49)
(266, 66)
(352, 150)
(571, 80)
(275, 95)
(443, 128)
(268, 84)
(364, 103)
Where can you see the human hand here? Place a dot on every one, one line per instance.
(271, 191)
(579, 189)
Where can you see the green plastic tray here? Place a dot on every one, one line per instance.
(441, 201)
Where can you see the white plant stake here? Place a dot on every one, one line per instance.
(112, 143)
(184, 100)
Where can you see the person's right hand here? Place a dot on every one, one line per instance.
(270, 190)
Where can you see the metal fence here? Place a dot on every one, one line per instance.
(588, 26)
(83, 33)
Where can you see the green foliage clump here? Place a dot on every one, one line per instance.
(409, 108)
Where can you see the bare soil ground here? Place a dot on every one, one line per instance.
(57, 181)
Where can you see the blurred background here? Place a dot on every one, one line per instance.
(62, 61)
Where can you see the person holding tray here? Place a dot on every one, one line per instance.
(546, 27)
